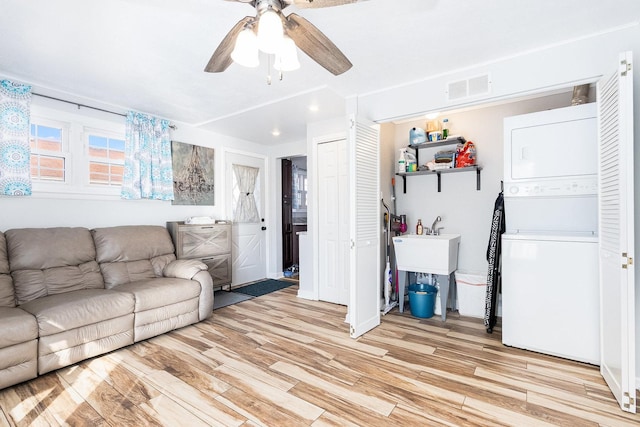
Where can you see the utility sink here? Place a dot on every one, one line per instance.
(436, 254)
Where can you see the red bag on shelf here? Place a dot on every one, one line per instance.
(466, 155)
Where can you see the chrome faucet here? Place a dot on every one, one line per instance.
(436, 231)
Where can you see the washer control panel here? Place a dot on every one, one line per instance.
(557, 187)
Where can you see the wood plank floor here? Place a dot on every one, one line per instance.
(278, 360)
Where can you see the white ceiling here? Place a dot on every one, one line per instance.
(149, 55)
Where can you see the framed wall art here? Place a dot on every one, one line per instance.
(193, 174)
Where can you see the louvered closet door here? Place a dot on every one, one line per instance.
(364, 227)
(617, 281)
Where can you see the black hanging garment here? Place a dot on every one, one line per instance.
(493, 257)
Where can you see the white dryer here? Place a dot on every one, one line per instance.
(550, 295)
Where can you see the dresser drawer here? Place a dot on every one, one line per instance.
(219, 268)
(202, 240)
(209, 243)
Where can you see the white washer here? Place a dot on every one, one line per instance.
(550, 284)
(550, 295)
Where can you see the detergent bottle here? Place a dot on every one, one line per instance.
(402, 161)
(411, 163)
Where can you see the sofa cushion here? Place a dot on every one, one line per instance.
(58, 313)
(131, 243)
(160, 292)
(48, 261)
(32, 284)
(18, 363)
(132, 252)
(118, 273)
(18, 326)
(42, 248)
(7, 296)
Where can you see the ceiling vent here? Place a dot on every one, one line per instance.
(473, 86)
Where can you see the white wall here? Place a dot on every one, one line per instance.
(96, 210)
(463, 209)
(538, 71)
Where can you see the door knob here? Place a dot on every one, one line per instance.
(264, 228)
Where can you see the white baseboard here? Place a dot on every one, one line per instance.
(306, 295)
(275, 276)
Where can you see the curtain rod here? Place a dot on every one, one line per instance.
(174, 127)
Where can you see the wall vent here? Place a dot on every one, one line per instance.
(473, 86)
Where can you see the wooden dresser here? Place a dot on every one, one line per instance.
(210, 243)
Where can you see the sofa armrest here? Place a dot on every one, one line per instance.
(183, 268)
(192, 269)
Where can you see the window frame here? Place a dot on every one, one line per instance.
(105, 133)
(65, 153)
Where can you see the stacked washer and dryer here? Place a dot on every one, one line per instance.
(550, 289)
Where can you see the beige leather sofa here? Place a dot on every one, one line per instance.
(68, 294)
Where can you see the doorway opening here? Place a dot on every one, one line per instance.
(294, 211)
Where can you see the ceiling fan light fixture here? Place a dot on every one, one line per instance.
(270, 32)
(287, 56)
(245, 51)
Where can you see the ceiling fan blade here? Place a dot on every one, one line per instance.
(315, 44)
(316, 4)
(221, 58)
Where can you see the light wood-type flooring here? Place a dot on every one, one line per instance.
(278, 360)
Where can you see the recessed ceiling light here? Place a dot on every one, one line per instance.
(275, 132)
(313, 107)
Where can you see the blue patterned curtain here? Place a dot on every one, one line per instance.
(147, 163)
(15, 168)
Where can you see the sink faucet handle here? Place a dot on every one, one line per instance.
(437, 231)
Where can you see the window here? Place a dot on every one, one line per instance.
(75, 153)
(48, 152)
(106, 159)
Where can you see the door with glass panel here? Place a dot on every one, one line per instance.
(245, 205)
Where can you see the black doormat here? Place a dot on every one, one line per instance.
(264, 287)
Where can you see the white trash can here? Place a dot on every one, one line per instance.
(472, 293)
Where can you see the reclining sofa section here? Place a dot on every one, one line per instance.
(68, 294)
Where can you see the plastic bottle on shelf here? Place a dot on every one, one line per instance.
(445, 128)
(410, 161)
(402, 161)
(419, 228)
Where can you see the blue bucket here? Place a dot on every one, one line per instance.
(422, 299)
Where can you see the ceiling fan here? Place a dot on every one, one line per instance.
(305, 35)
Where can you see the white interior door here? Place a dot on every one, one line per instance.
(616, 216)
(333, 222)
(364, 227)
(245, 183)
